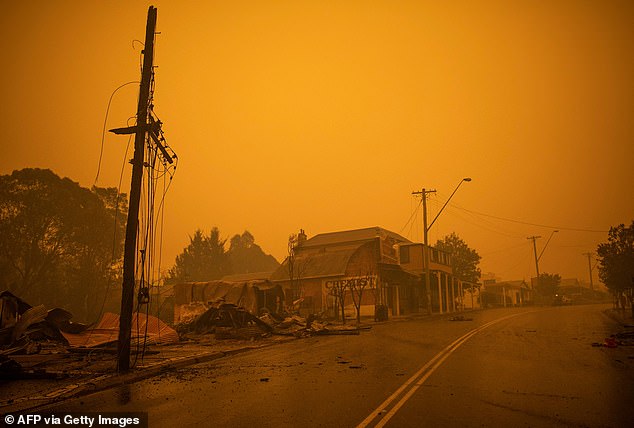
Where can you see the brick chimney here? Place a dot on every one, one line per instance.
(301, 237)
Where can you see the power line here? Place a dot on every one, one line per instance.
(489, 227)
(411, 216)
(103, 132)
(512, 247)
(530, 224)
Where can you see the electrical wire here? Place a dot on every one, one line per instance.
(146, 226)
(156, 168)
(529, 223)
(480, 222)
(521, 260)
(481, 225)
(103, 132)
(411, 216)
(512, 247)
(114, 237)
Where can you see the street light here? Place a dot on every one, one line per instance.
(426, 228)
(534, 238)
(443, 207)
(544, 249)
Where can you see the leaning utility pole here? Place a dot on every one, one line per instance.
(590, 268)
(129, 254)
(423, 194)
(534, 238)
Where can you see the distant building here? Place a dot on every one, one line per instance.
(580, 291)
(506, 293)
(570, 287)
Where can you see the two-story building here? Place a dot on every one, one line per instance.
(446, 290)
(364, 258)
(391, 267)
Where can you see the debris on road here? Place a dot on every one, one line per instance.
(229, 321)
(460, 318)
(300, 327)
(625, 338)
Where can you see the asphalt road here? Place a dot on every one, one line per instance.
(531, 367)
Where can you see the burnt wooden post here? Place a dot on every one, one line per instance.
(129, 255)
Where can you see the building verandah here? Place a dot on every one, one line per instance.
(446, 291)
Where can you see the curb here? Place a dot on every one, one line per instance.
(107, 381)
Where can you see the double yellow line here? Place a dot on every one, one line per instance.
(418, 379)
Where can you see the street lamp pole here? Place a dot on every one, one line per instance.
(423, 194)
(590, 268)
(534, 238)
(426, 228)
(447, 201)
(538, 258)
(544, 249)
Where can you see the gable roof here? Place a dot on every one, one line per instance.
(325, 262)
(244, 277)
(348, 236)
(569, 282)
(508, 284)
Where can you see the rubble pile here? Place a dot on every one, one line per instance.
(229, 321)
(26, 329)
(30, 330)
(297, 326)
(32, 337)
(226, 321)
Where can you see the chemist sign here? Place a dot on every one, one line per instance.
(352, 283)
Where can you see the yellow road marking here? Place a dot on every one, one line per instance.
(419, 378)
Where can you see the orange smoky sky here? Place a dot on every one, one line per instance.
(327, 115)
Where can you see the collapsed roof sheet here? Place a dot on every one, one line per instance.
(107, 331)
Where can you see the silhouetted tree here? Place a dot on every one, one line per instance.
(338, 289)
(295, 266)
(247, 257)
(204, 259)
(464, 260)
(616, 261)
(59, 242)
(357, 286)
(548, 284)
(365, 279)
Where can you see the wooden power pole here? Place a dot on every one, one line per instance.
(129, 254)
(590, 268)
(426, 261)
(534, 238)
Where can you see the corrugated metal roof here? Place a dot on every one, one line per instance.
(239, 293)
(356, 235)
(242, 277)
(107, 331)
(326, 262)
